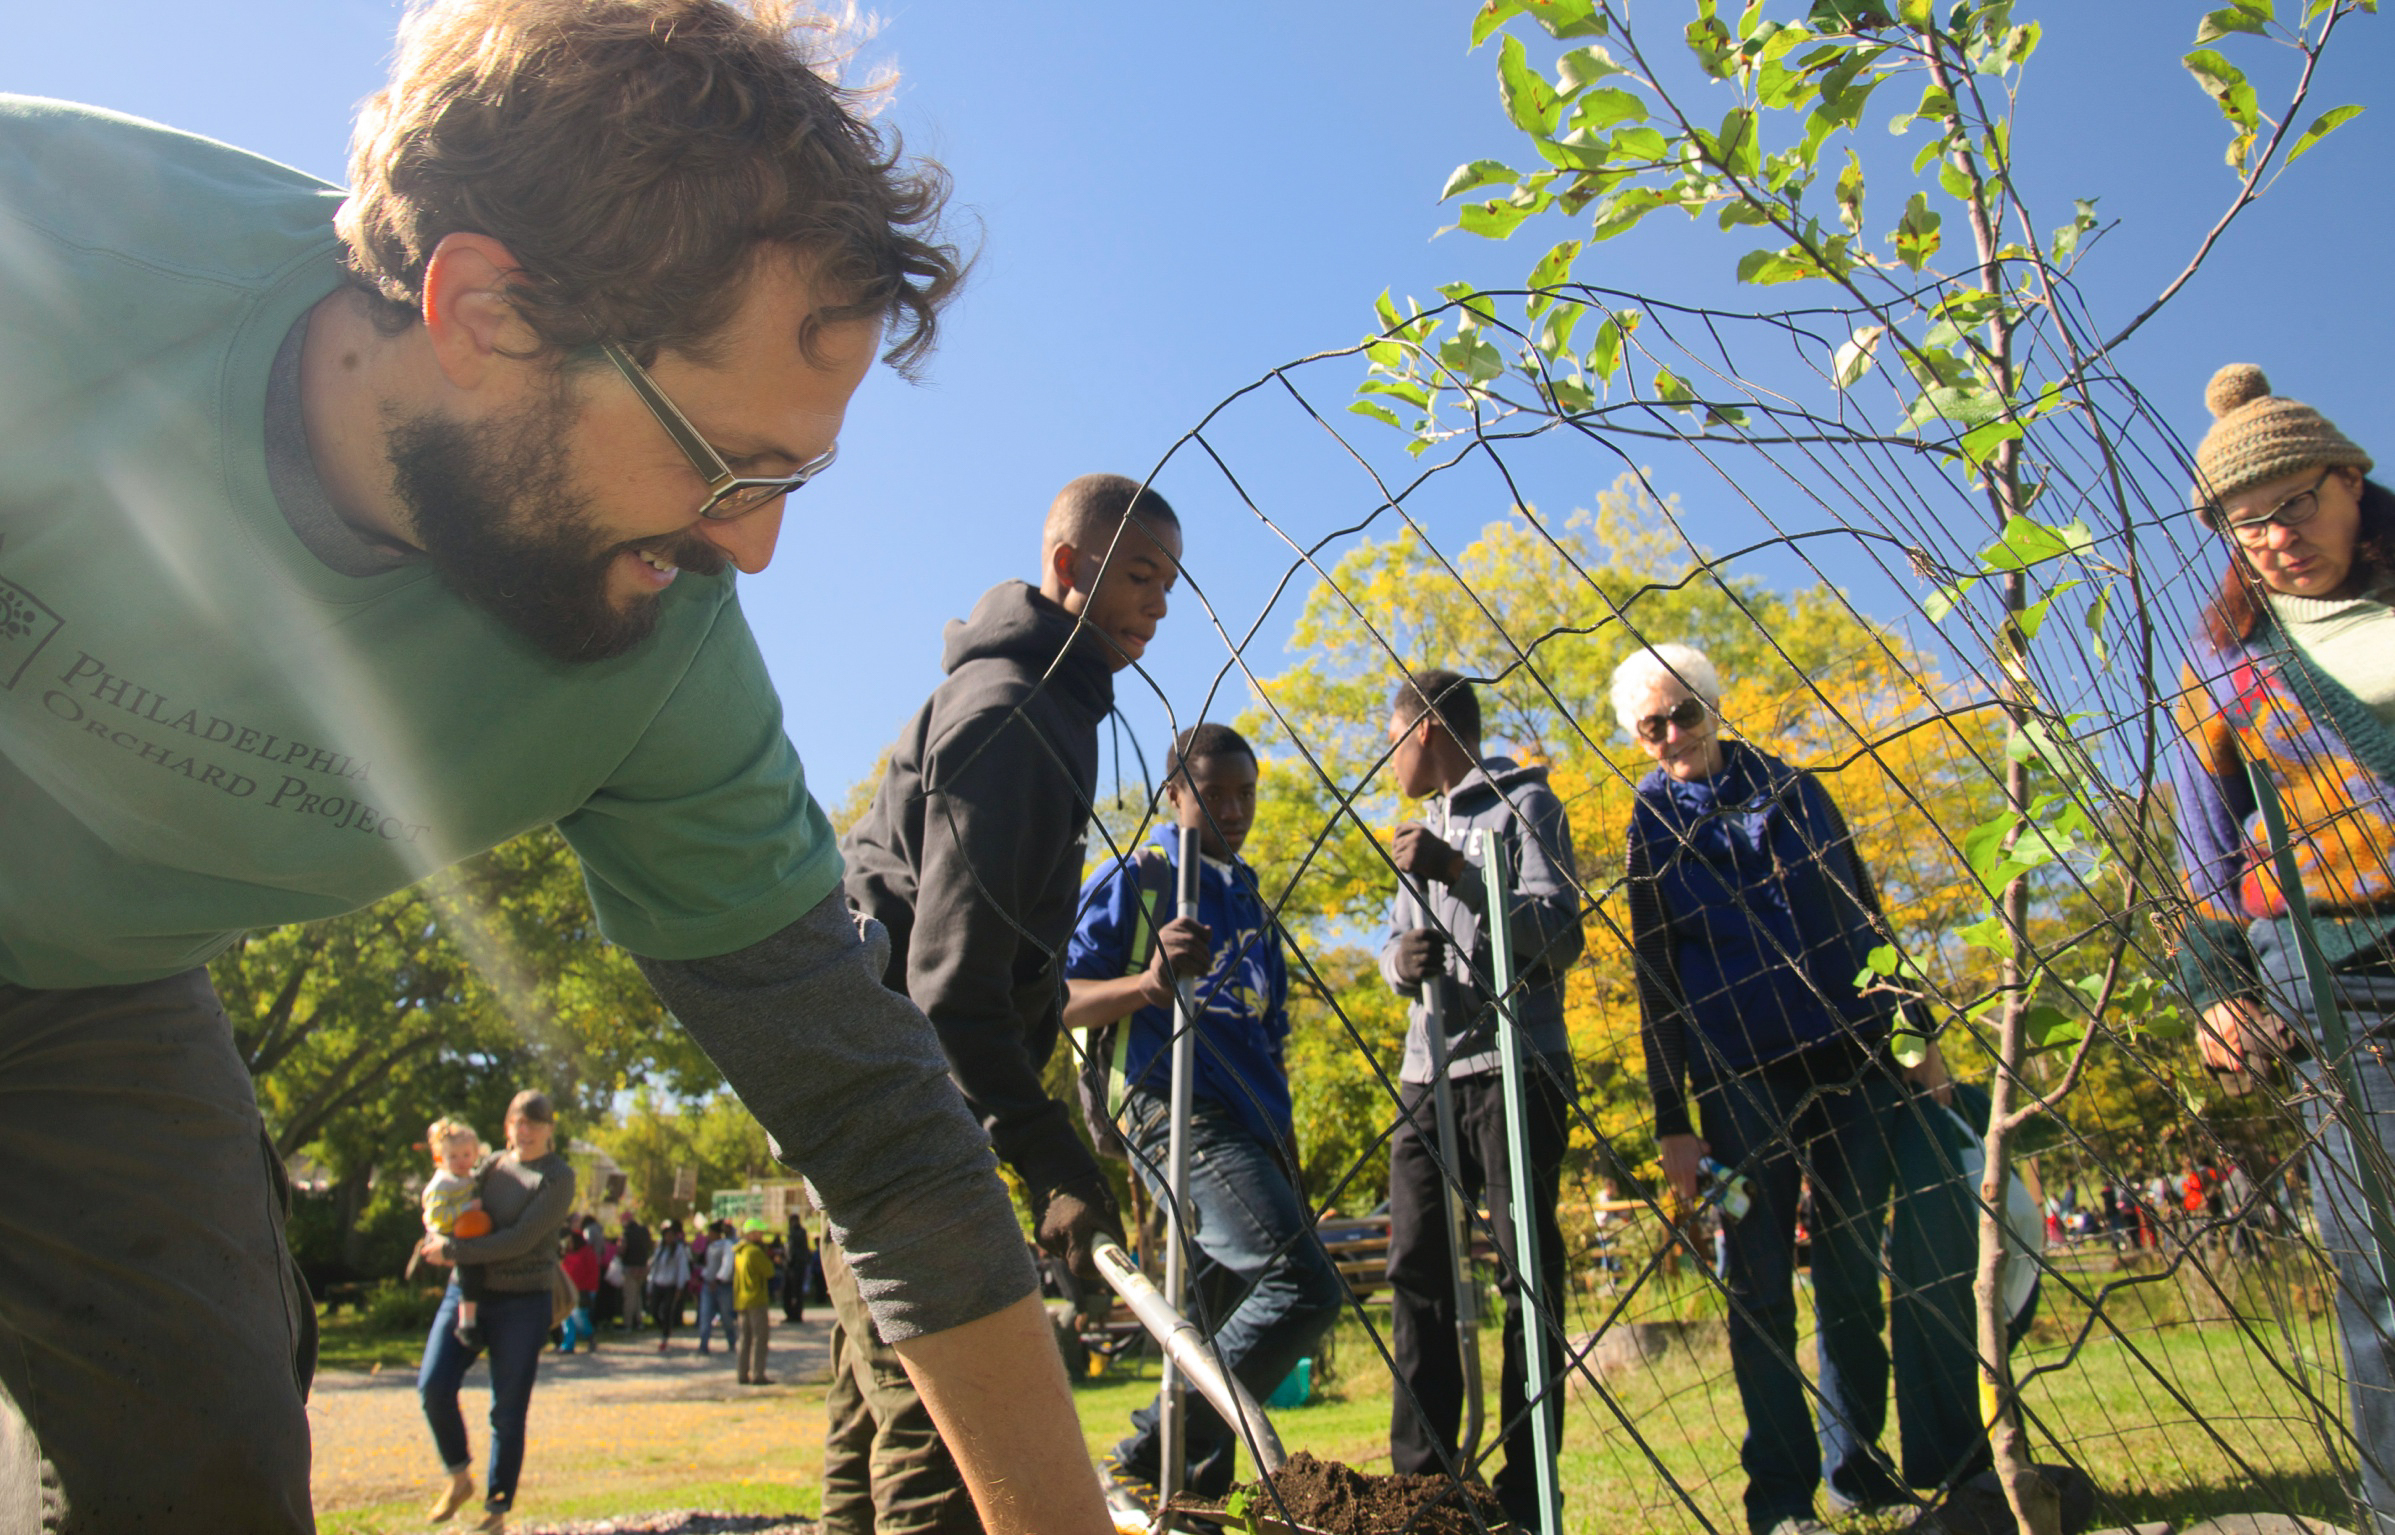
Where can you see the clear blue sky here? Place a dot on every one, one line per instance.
(1170, 200)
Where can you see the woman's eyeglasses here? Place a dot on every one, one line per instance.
(2293, 512)
(1686, 714)
(728, 495)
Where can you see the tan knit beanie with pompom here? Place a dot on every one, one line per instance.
(2256, 437)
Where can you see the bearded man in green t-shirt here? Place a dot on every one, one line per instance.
(345, 535)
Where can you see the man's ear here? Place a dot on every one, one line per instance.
(467, 314)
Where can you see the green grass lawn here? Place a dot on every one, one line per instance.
(2176, 1419)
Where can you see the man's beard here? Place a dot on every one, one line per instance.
(497, 513)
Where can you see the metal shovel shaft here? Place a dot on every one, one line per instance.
(1459, 1225)
(1186, 1348)
(1173, 1425)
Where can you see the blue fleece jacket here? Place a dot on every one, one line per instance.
(1750, 916)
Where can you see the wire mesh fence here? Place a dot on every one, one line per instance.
(1765, 952)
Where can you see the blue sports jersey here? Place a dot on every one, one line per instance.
(1243, 1026)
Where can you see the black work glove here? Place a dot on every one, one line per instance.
(1422, 854)
(1071, 1221)
(1184, 947)
(1421, 954)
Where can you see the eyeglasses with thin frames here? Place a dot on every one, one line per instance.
(729, 495)
(1686, 714)
(2293, 512)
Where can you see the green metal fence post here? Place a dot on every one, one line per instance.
(1538, 1379)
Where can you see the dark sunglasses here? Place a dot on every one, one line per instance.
(1686, 714)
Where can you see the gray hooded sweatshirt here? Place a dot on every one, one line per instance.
(1537, 838)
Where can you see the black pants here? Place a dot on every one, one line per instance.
(1428, 1411)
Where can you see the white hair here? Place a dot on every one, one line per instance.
(1641, 670)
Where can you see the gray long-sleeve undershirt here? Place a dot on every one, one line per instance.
(849, 1080)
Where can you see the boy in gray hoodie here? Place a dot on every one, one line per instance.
(1434, 735)
(970, 857)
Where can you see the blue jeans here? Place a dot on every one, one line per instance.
(514, 1326)
(1256, 1252)
(715, 1301)
(2365, 1316)
(1834, 1121)
(578, 1327)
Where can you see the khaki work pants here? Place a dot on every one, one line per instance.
(755, 1329)
(886, 1470)
(156, 1343)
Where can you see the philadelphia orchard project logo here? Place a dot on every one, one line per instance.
(26, 625)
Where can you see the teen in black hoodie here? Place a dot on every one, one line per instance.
(970, 857)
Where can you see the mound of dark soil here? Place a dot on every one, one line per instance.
(1326, 1495)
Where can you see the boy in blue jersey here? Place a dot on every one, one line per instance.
(1255, 1240)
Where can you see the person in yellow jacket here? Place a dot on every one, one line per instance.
(752, 1272)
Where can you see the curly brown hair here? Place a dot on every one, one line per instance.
(637, 157)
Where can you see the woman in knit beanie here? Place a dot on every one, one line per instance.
(2296, 688)
(2286, 486)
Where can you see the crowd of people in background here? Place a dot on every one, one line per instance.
(634, 1282)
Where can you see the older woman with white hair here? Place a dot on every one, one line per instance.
(1750, 917)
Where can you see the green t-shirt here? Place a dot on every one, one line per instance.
(203, 728)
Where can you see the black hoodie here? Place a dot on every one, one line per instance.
(971, 857)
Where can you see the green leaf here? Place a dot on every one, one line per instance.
(1850, 194)
(1553, 270)
(1983, 845)
(2033, 617)
(2026, 543)
(1404, 389)
(1767, 267)
(1571, 398)
(1567, 18)
(1492, 15)
(1906, 1041)
(1622, 211)
(1493, 220)
(1724, 415)
(2225, 83)
(1598, 110)
(1529, 100)
(1855, 356)
(1987, 933)
(2066, 239)
(1554, 338)
(1478, 174)
(1881, 960)
(1584, 67)
(1710, 41)
(1981, 442)
(1605, 354)
(2095, 625)
(1920, 15)
(1377, 412)
(2322, 126)
(2048, 1026)
(2021, 42)
(1640, 143)
(1739, 144)
(1672, 390)
(1945, 599)
(2228, 19)
(1916, 237)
